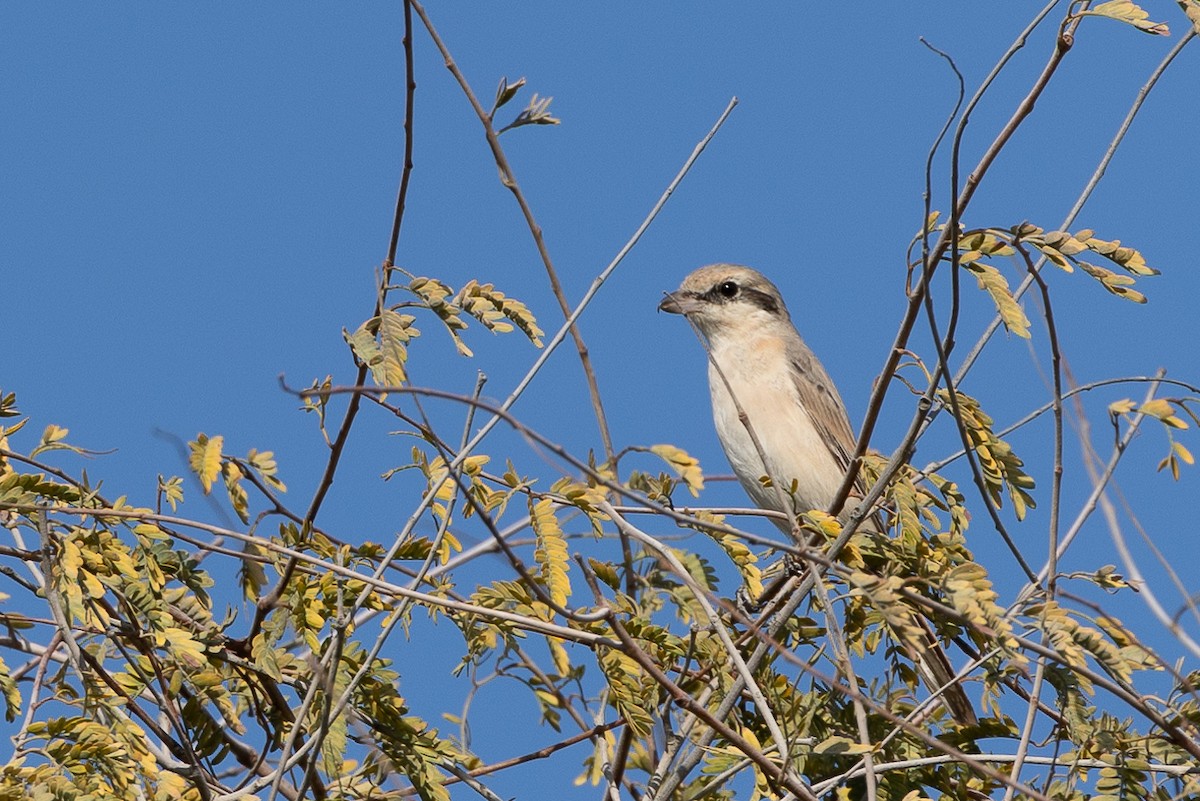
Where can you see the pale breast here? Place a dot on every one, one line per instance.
(759, 376)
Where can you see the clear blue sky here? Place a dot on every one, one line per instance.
(194, 199)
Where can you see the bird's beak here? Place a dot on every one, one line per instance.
(678, 303)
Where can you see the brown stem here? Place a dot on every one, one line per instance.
(268, 601)
(1024, 108)
(508, 178)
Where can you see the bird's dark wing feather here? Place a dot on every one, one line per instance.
(820, 398)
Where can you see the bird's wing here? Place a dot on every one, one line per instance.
(820, 398)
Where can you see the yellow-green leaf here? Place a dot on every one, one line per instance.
(606, 572)
(52, 440)
(1161, 409)
(381, 343)
(491, 307)
(183, 646)
(995, 284)
(262, 649)
(1002, 469)
(1064, 243)
(172, 490)
(685, 466)
(562, 662)
(91, 584)
(1114, 282)
(12, 695)
(1128, 258)
(395, 331)
(1192, 9)
(448, 545)
(840, 746)
(264, 464)
(205, 459)
(551, 552)
(627, 691)
(1057, 258)
(237, 493)
(1121, 407)
(1131, 14)
(506, 91)
(436, 297)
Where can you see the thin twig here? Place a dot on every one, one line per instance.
(541, 753)
(1084, 195)
(939, 465)
(630, 648)
(1090, 505)
(927, 196)
(268, 601)
(714, 622)
(1135, 577)
(522, 621)
(943, 371)
(509, 179)
(881, 711)
(556, 340)
(943, 759)
(875, 405)
(1039, 677)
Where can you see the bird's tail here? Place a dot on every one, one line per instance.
(938, 675)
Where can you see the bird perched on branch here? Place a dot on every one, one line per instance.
(795, 430)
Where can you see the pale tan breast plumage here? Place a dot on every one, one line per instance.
(759, 373)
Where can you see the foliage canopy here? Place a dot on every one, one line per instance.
(706, 668)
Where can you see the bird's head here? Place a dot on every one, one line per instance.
(726, 299)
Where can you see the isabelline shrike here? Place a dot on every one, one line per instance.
(804, 439)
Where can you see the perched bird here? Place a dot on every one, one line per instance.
(796, 431)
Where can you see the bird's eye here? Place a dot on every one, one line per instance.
(728, 289)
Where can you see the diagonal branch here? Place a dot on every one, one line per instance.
(1062, 46)
(509, 179)
(268, 601)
